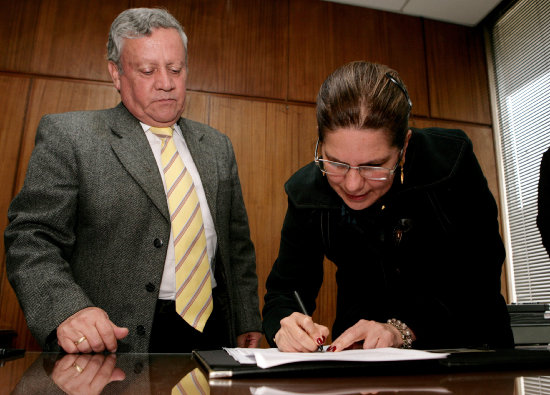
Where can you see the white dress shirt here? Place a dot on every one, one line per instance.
(168, 284)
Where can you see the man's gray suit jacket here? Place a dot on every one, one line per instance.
(90, 227)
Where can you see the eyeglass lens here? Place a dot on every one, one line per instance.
(340, 169)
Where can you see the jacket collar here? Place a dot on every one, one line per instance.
(433, 156)
(130, 145)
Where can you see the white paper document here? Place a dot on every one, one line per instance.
(269, 357)
(267, 390)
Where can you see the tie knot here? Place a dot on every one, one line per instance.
(162, 132)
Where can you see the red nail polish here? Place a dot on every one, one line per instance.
(331, 349)
(320, 341)
(324, 338)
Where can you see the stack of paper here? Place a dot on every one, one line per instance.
(269, 357)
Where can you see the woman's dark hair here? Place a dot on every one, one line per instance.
(364, 95)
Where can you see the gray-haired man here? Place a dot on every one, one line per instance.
(90, 250)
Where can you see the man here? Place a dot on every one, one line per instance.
(93, 246)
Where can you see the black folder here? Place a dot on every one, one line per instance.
(218, 364)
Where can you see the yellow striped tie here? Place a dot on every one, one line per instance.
(193, 383)
(193, 282)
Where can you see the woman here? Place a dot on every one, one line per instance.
(405, 215)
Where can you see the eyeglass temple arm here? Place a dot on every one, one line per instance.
(316, 157)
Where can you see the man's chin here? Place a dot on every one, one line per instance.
(166, 118)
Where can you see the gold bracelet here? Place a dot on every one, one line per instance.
(403, 329)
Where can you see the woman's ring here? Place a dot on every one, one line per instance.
(76, 343)
(78, 368)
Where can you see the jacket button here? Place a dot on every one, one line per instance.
(140, 330)
(158, 243)
(138, 368)
(150, 287)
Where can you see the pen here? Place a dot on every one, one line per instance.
(304, 311)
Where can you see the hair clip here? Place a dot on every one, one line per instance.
(400, 86)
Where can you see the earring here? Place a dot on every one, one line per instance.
(402, 171)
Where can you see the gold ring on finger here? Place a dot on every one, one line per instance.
(77, 342)
(78, 368)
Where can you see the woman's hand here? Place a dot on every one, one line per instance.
(299, 333)
(372, 334)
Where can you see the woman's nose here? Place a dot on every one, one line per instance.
(354, 181)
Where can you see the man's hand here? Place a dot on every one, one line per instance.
(249, 340)
(299, 333)
(89, 330)
(86, 374)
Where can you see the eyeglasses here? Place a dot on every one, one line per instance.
(375, 173)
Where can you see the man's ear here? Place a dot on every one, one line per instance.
(115, 74)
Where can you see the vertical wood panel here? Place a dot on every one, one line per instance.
(457, 73)
(12, 115)
(262, 170)
(18, 21)
(302, 125)
(237, 46)
(245, 124)
(59, 37)
(326, 35)
(196, 107)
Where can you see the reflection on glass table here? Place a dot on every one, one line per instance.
(162, 373)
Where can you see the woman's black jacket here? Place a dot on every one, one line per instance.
(428, 253)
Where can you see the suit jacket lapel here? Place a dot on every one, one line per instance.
(134, 152)
(205, 161)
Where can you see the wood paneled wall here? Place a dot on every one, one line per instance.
(255, 68)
